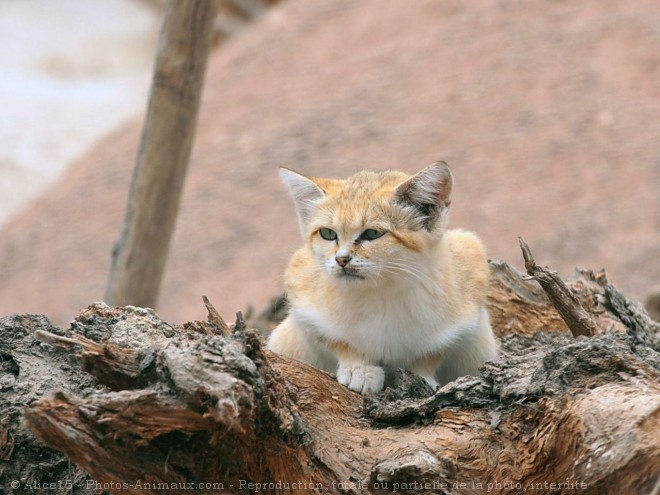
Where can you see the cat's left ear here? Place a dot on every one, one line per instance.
(429, 191)
(305, 192)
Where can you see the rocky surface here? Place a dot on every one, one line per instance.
(548, 114)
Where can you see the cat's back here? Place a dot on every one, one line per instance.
(470, 265)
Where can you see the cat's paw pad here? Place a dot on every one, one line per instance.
(362, 378)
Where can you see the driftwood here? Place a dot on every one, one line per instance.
(164, 408)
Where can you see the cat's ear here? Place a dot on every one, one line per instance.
(305, 192)
(429, 191)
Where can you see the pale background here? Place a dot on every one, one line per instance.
(70, 71)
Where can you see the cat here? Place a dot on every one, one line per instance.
(381, 282)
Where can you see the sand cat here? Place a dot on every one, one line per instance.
(380, 281)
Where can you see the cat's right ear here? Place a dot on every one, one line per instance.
(305, 192)
(429, 192)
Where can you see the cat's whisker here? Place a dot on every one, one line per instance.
(406, 263)
(409, 268)
(398, 269)
(422, 277)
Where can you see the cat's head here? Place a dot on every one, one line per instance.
(372, 225)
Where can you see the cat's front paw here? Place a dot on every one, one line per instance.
(363, 378)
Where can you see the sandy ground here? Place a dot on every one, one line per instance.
(72, 70)
(548, 113)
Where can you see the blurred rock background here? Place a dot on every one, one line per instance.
(548, 113)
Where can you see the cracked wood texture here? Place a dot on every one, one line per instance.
(190, 405)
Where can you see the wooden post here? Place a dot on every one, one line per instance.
(139, 257)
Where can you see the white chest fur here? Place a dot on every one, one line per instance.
(389, 327)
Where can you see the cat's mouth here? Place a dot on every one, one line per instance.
(350, 273)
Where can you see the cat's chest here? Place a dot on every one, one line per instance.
(391, 329)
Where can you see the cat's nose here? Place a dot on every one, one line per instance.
(343, 260)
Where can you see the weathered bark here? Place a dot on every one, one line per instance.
(190, 405)
(138, 260)
(30, 371)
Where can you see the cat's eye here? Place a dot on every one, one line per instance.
(328, 234)
(371, 234)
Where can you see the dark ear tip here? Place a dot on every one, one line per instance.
(286, 173)
(441, 165)
(442, 170)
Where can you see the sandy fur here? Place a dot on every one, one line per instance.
(418, 298)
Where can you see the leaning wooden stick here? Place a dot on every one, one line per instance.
(570, 309)
(138, 260)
